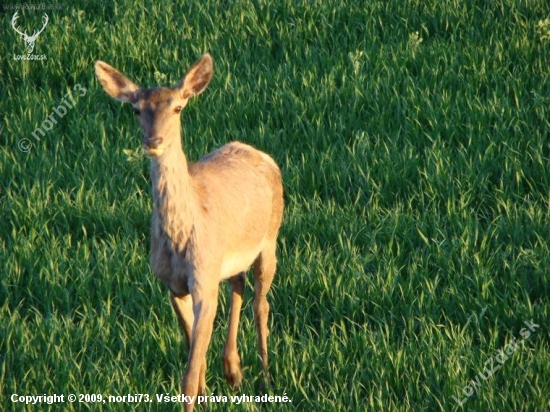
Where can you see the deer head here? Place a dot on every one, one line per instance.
(30, 40)
(157, 109)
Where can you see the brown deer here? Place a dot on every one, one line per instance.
(212, 220)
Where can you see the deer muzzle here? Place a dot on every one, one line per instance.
(152, 146)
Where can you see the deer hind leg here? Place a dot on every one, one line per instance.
(231, 359)
(264, 271)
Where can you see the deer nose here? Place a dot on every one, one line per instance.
(152, 142)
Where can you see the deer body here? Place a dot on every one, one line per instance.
(212, 220)
(211, 204)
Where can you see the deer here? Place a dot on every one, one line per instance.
(30, 40)
(212, 220)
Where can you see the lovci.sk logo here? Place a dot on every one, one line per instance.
(30, 40)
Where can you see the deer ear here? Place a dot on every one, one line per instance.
(115, 83)
(197, 77)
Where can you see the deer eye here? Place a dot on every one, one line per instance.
(137, 112)
(177, 109)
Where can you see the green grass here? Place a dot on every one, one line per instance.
(414, 142)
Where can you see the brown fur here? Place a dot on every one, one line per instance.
(211, 220)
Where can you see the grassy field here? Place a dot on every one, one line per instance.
(413, 137)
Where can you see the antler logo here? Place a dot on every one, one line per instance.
(30, 40)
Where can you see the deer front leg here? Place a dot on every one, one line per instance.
(183, 306)
(205, 302)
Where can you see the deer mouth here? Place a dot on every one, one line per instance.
(152, 151)
(152, 147)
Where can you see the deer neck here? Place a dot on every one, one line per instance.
(173, 195)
